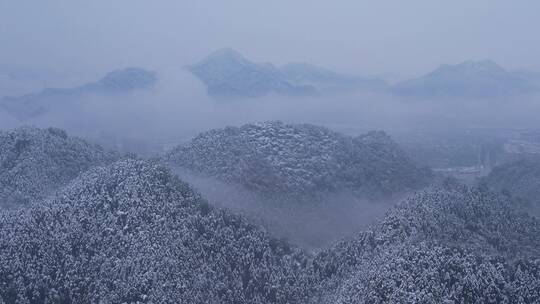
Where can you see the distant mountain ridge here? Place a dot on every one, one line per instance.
(227, 73)
(115, 82)
(325, 79)
(469, 79)
(17, 80)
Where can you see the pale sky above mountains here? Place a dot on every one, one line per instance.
(405, 38)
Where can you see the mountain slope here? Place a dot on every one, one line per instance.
(226, 73)
(470, 79)
(295, 160)
(324, 79)
(17, 79)
(519, 179)
(446, 246)
(133, 233)
(115, 82)
(35, 162)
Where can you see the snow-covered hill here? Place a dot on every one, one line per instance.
(519, 179)
(299, 160)
(446, 246)
(133, 233)
(35, 162)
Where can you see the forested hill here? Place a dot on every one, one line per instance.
(446, 246)
(299, 159)
(35, 162)
(520, 179)
(133, 233)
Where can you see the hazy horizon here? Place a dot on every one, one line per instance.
(398, 41)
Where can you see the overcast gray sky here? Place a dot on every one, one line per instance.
(367, 37)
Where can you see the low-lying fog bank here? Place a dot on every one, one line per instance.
(151, 121)
(309, 224)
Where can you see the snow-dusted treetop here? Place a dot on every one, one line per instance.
(35, 162)
(274, 157)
